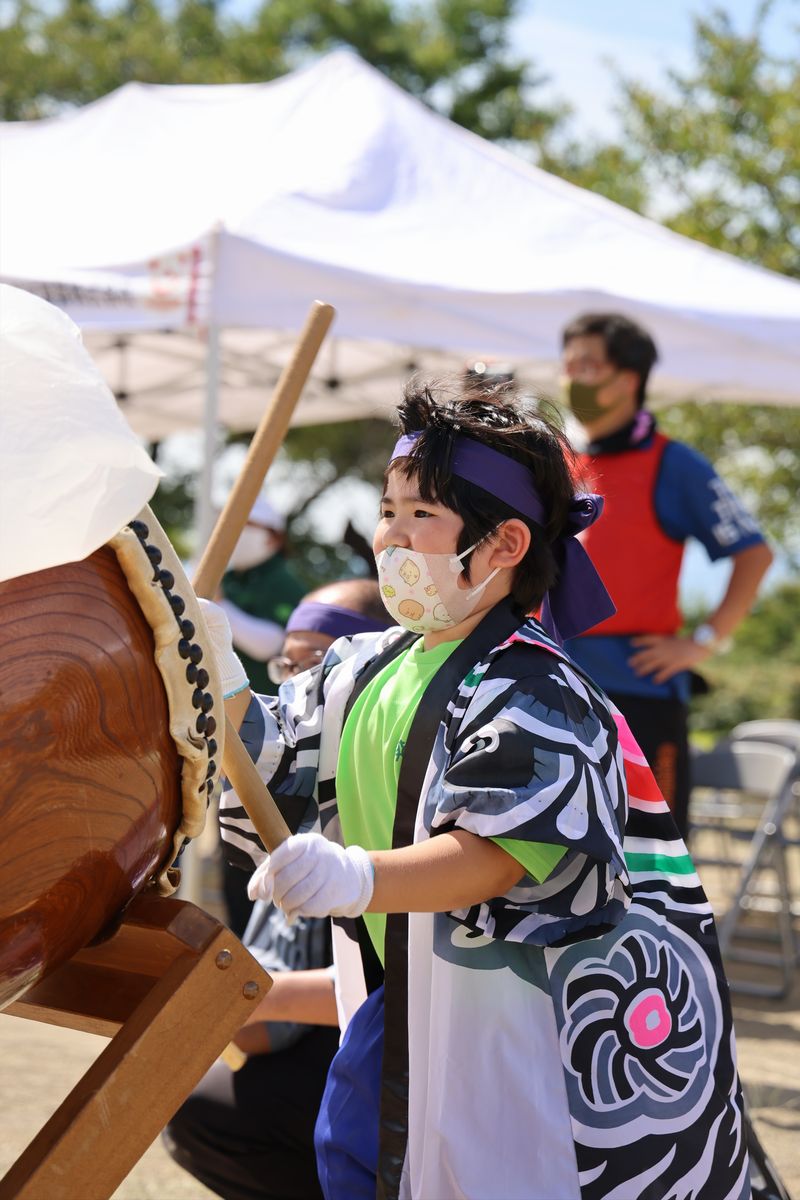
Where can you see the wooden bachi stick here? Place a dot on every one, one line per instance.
(252, 791)
(263, 448)
(236, 762)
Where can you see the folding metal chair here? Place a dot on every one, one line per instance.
(746, 790)
(781, 731)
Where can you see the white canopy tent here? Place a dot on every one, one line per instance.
(200, 209)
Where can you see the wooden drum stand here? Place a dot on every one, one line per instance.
(170, 988)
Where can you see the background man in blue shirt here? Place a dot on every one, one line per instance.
(659, 493)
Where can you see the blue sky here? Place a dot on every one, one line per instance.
(574, 42)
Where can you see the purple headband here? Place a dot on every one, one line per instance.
(578, 600)
(312, 617)
(504, 477)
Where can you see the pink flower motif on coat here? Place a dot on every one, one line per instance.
(648, 1020)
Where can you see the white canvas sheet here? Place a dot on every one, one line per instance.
(71, 471)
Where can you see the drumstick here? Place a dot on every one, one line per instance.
(265, 444)
(252, 791)
(236, 762)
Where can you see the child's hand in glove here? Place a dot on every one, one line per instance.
(308, 876)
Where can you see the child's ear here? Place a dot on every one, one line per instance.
(512, 542)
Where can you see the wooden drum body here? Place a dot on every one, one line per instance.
(94, 781)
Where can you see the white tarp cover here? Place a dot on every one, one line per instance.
(71, 471)
(235, 205)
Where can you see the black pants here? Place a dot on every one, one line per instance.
(238, 905)
(660, 727)
(249, 1134)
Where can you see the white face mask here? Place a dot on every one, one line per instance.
(421, 592)
(255, 545)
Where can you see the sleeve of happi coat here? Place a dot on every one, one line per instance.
(542, 763)
(293, 741)
(282, 736)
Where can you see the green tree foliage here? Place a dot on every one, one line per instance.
(453, 54)
(615, 172)
(83, 50)
(760, 676)
(724, 143)
(348, 450)
(359, 448)
(173, 504)
(716, 146)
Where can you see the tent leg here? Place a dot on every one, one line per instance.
(204, 512)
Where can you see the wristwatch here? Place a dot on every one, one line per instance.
(706, 635)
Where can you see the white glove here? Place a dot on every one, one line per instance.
(260, 883)
(308, 876)
(233, 675)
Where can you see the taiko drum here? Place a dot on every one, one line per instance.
(91, 793)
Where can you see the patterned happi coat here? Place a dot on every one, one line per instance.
(571, 1039)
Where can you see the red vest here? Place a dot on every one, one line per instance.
(638, 563)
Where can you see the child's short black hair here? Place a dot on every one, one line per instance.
(516, 427)
(628, 345)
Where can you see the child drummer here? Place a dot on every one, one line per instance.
(555, 1014)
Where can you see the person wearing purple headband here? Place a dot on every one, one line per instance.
(319, 620)
(531, 1008)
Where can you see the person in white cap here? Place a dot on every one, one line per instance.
(260, 590)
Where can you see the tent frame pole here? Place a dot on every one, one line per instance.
(191, 886)
(205, 515)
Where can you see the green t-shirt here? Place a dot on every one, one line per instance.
(371, 754)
